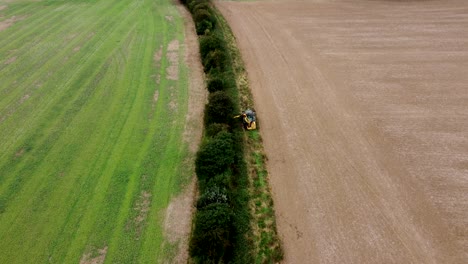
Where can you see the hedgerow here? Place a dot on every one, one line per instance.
(210, 43)
(211, 195)
(212, 130)
(215, 84)
(215, 156)
(222, 219)
(204, 20)
(204, 6)
(212, 234)
(220, 109)
(221, 82)
(192, 4)
(214, 54)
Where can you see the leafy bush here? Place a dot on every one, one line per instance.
(222, 180)
(220, 109)
(212, 233)
(216, 59)
(201, 5)
(201, 14)
(214, 53)
(204, 27)
(215, 128)
(192, 4)
(204, 20)
(221, 82)
(210, 43)
(215, 156)
(215, 84)
(213, 194)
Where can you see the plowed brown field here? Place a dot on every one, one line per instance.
(363, 107)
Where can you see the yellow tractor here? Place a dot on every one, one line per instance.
(248, 119)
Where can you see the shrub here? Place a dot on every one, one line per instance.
(215, 84)
(222, 180)
(192, 4)
(220, 109)
(215, 128)
(212, 195)
(201, 6)
(221, 82)
(204, 20)
(201, 14)
(212, 232)
(210, 43)
(216, 59)
(204, 27)
(215, 156)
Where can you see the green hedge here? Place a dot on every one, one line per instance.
(215, 156)
(214, 54)
(212, 234)
(222, 220)
(213, 194)
(214, 129)
(210, 43)
(204, 20)
(221, 82)
(220, 109)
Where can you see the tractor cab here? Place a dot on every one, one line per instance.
(249, 119)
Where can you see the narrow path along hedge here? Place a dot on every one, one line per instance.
(222, 231)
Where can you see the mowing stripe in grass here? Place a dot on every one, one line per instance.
(68, 84)
(89, 136)
(49, 141)
(41, 172)
(40, 74)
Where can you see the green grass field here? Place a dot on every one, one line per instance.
(93, 104)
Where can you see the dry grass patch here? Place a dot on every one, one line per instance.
(10, 60)
(173, 58)
(177, 222)
(10, 21)
(98, 258)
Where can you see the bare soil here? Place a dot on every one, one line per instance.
(363, 110)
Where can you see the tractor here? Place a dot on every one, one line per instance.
(248, 119)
